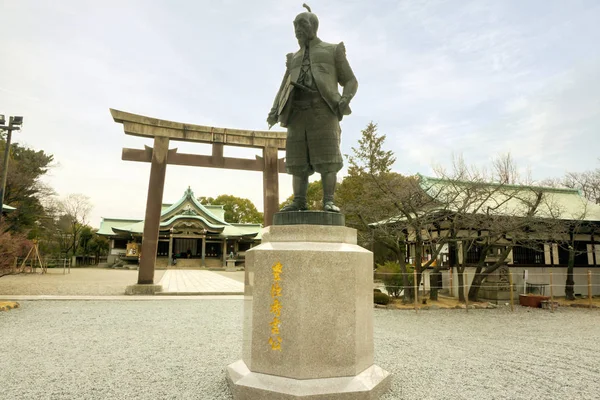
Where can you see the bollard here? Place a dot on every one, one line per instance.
(512, 300)
(416, 289)
(551, 294)
(590, 288)
(466, 290)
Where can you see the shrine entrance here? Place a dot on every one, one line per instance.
(160, 155)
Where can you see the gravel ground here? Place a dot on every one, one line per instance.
(179, 350)
(81, 281)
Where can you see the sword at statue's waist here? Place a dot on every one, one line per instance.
(302, 87)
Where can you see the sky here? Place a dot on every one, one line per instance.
(440, 78)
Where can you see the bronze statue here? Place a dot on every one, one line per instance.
(310, 106)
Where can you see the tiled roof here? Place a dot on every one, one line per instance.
(186, 211)
(505, 200)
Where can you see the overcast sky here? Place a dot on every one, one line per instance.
(477, 78)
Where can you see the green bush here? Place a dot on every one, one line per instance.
(391, 276)
(381, 298)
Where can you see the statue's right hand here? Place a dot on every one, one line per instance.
(272, 119)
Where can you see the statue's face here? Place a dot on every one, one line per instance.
(303, 28)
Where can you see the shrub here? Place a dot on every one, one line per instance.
(391, 276)
(381, 298)
(11, 246)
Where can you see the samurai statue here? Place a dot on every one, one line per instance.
(310, 105)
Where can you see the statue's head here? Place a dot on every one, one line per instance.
(306, 25)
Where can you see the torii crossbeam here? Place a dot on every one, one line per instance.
(159, 156)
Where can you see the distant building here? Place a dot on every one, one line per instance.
(196, 234)
(530, 260)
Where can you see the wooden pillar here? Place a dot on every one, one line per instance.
(270, 184)
(170, 260)
(217, 155)
(594, 257)
(156, 186)
(224, 252)
(204, 251)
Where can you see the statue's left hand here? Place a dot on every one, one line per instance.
(342, 105)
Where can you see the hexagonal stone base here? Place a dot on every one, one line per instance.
(323, 297)
(308, 318)
(246, 385)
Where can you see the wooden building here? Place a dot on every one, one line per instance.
(192, 233)
(529, 229)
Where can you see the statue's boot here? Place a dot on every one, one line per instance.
(300, 187)
(329, 180)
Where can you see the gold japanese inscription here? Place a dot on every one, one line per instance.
(275, 343)
(275, 326)
(276, 308)
(275, 290)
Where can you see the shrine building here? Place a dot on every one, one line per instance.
(197, 235)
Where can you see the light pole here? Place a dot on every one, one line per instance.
(14, 124)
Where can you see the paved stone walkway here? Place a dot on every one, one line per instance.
(179, 281)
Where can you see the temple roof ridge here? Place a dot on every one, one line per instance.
(188, 195)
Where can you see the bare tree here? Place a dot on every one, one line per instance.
(461, 209)
(505, 170)
(485, 219)
(566, 226)
(468, 210)
(73, 215)
(588, 182)
(428, 213)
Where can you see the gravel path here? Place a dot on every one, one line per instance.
(81, 281)
(179, 350)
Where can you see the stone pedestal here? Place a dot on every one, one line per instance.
(309, 218)
(230, 266)
(496, 286)
(308, 318)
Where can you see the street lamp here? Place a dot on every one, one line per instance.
(14, 124)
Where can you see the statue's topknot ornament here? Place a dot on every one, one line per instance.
(312, 16)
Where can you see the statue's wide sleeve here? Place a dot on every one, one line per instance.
(345, 74)
(282, 87)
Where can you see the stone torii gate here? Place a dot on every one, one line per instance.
(160, 155)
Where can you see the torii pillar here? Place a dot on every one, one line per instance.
(159, 156)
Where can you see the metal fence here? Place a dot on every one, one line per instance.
(534, 289)
(33, 265)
